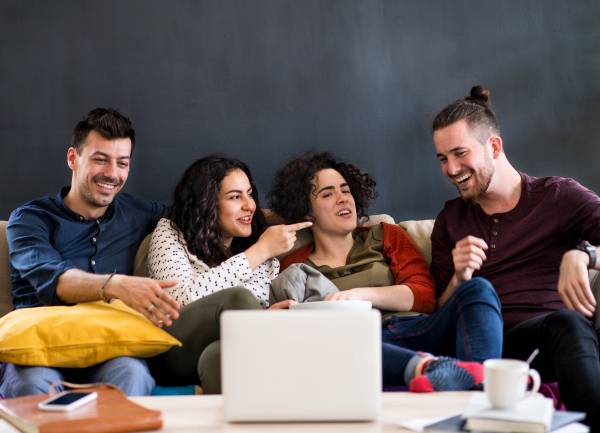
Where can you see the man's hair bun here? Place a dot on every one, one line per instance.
(480, 95)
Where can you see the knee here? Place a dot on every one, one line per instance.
(130, 374)
(240, 298)
(478, 290)
(209, 368)
(19, 381)
(569, 324)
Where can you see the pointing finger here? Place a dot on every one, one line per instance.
(299, 226)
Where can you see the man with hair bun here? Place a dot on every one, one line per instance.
(530, 237)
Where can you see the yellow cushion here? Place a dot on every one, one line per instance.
(79, 336)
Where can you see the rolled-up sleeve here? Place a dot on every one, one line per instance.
(33, 258)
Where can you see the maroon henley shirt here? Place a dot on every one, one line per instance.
(525, 245)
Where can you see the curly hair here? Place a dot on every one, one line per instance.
(195, 211)
(290, 195)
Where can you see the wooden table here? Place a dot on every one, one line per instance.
(202, 413)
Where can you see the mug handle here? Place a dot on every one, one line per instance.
(537, 381)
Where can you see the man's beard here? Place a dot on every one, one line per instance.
(483, 180)
(86, 191)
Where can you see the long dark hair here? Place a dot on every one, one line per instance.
(195, 211)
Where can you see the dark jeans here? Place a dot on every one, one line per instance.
(568, 355)
(198, 360)
(468, 326)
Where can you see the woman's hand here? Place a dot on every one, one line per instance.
(283, 305)
(346, 295)
(274, 241)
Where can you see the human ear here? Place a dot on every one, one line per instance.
(496, 143)
(71, 156)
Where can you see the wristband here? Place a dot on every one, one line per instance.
(104, 298)
(591, 250)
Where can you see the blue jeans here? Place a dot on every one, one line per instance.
(129, 374)
(468, 327)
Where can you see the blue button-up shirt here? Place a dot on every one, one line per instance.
(46, 238)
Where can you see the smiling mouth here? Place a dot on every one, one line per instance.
(105, 185)
(343, 212)
(246, 219)
(460, 180)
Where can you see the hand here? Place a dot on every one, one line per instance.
(346, 295)
(468, 257)
(145, 296)
(574, 283)
(283, 305)
(279, 239)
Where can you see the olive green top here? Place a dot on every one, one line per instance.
(366, 266)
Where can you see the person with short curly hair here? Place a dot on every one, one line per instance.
(382, 264)
(217, 246)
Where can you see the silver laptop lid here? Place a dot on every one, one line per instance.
(301, 365)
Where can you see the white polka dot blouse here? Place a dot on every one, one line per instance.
(169, 259)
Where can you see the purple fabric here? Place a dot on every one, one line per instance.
(550, 390)
(525, 245)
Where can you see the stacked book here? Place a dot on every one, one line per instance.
(534, 414)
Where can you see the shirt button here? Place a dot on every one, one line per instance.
(495, 233)
(495, 220)
(94, 239)
(93, 262)
(493, 246)
(98, 222)
(80, 218)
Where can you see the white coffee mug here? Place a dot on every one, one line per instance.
(505, 381)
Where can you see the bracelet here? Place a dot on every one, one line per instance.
(104, 298)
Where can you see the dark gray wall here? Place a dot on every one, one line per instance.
(263, 80)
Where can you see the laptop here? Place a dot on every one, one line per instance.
(303, 365)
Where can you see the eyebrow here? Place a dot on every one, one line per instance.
(451, 151)
(330, 187)
(237, 191)
(106, 155)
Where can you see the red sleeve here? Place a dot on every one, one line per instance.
(409, 267)
(298, 256)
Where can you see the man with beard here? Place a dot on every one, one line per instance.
(528, 237)
(80, 247)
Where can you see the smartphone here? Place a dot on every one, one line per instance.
(67, 400)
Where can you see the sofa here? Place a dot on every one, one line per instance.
(419, 231)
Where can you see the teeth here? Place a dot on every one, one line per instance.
(463, 177)
(344, 212)
(245, 219)
(105, 185)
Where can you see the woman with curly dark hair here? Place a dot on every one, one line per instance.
(216, 244)
(383, 265)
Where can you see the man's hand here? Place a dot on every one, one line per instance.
(468, 257)
(346, 295)
(145, 296)
(283, 305)
(574, 283)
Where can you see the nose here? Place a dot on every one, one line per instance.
(454, 166)
(111, 170)
(341, 197)
(248, 204)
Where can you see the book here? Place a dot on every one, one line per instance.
(111, 412)
(457, 423)
(532, 414)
